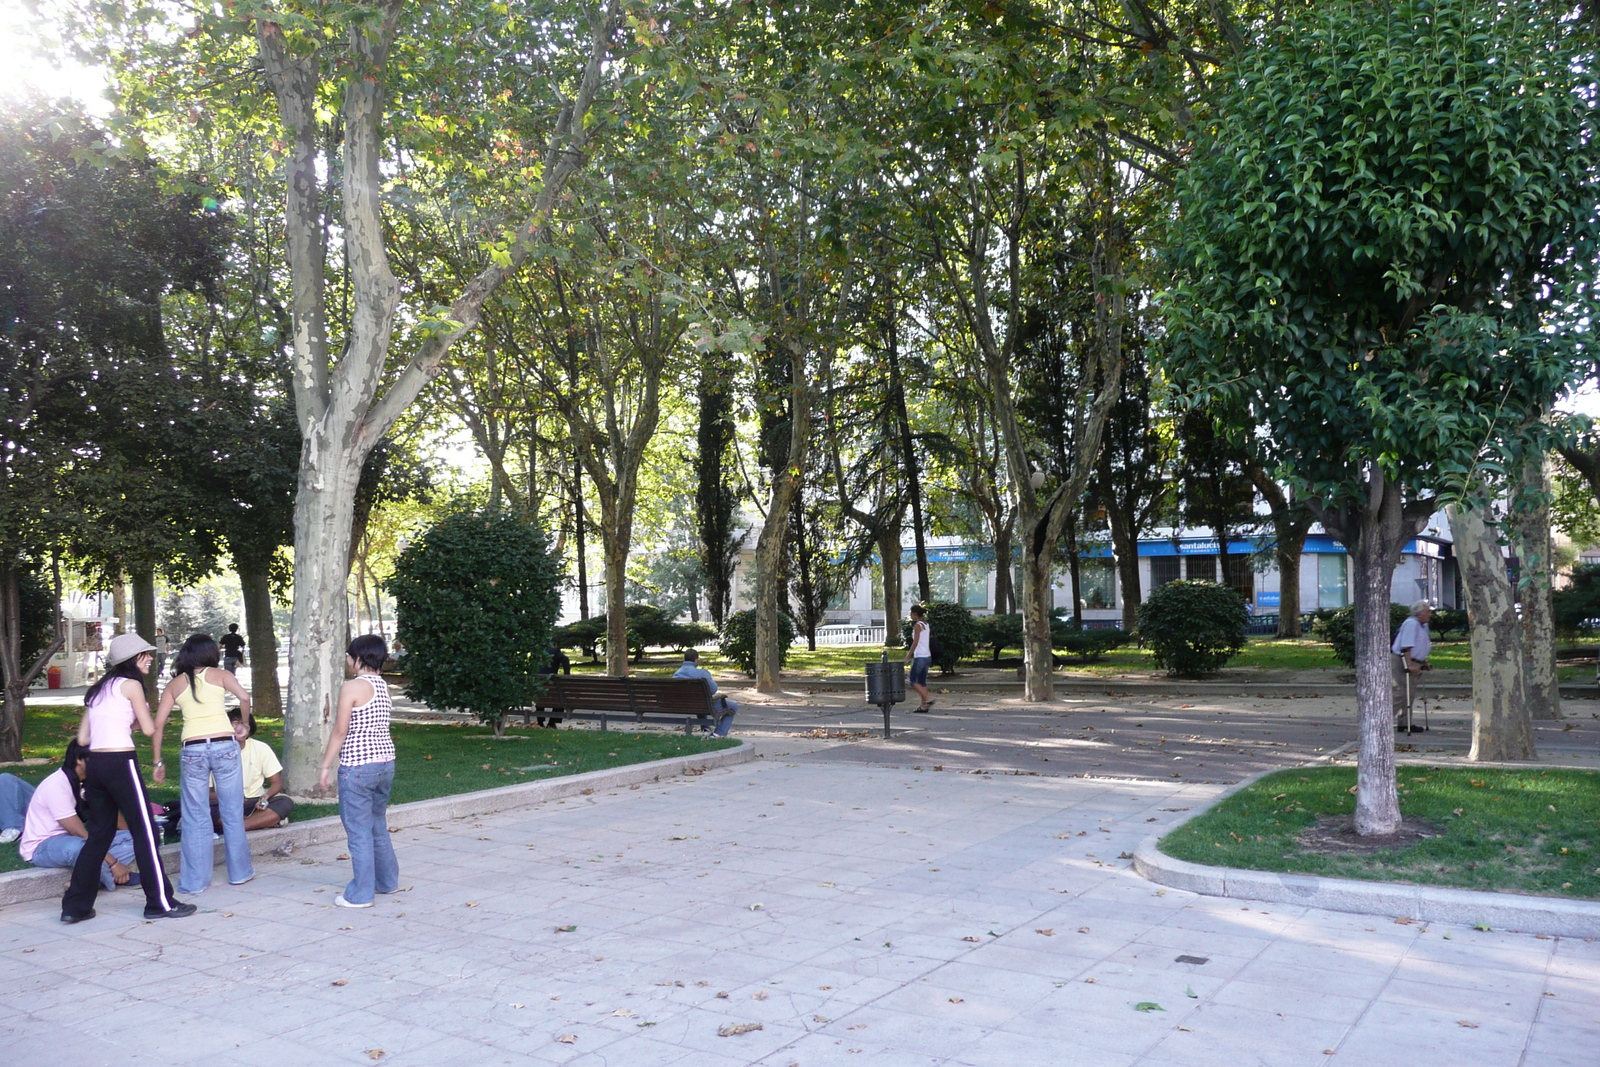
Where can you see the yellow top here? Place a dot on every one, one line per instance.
(204, 713)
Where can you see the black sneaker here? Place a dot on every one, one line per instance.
(70, 919)
(177, 911)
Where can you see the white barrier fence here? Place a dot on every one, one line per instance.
(847, 635)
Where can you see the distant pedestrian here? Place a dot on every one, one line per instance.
(691, 669)
(208, 759)
(1411, 647)
(113, 785)
(921, 654)
(361, 744)
(163, 648)
(232, 649)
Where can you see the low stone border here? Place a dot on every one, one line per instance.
(47, 883)
(1552, 916)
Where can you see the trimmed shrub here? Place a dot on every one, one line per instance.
(1339, 630)
(998, 632)
(955, 631)
(480, 583)
(1088, 645)
(1193, 628)
(1450, 621)
(586, 634)
(1577, 607)
(738, 639)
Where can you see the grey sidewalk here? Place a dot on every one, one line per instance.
(862, 915)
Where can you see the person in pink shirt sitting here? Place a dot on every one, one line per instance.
(53, 833)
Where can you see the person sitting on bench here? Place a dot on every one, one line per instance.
(265, 804)
(691, 669)
(559, 664)
(54, 833)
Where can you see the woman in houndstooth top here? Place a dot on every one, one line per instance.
(361, 743)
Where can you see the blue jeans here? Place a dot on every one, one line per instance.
(62, 851)
(724, 722)
(199, 764)
(919, 670)
(14, 797)
(364, 810)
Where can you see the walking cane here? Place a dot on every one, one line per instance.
(1409, 697)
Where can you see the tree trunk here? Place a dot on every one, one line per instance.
(889, 550)
(266, 698)
(1530, 533)
(769, 556)
(324, 509)
(144, 619)
(1502, 729)
(1289, 587)
(615, 545)
(1373, 531)
(119, 607)
(1038, 651)
(1005, 594)
(579, 548)
(908, 454)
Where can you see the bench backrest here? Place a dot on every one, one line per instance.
(579, 693)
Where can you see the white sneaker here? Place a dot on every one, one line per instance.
(8, 836)
(339, 901)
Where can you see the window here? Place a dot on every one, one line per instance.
(875, 576)
(1097, 583)
(1200, 568)
(841, 599)
(973, 580)
(1163, 569)
(1332, 582)
(942, 581)
(1241, 576)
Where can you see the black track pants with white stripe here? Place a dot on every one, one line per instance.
(113, 785)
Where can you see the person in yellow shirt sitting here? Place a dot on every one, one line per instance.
(265, 803)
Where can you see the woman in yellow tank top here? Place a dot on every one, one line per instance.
(210, 754)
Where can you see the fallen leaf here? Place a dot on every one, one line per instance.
(519, 1005)
(1083, 929)
(568, 1039)
(1045, 932)
(1186, 1030)
(735, 1029)
(347, 927)
(1485, 927)
(1403, 921)
(969, 938)
(340, 981)
(957, 1000)
(1467, 1025)
(757, 906)
(760, 994)
(722, 994)
(342, 855)
(1148, 1006)
(472, 903)
(588, 792)
(1189, 992)
(825, 885)
(624, 1013)
(1090, 981)
(375, 1053)
(821, 1019)
(566, 929)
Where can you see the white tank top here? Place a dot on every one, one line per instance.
(922, 651)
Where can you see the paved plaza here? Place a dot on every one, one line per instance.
(817, 906)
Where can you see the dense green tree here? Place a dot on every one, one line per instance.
(1393, 308)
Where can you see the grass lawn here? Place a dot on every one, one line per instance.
(1262, 653)
(432, 760)
(1523, 831)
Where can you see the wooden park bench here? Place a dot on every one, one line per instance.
(675, 700)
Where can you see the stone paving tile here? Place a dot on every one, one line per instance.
(468, 966)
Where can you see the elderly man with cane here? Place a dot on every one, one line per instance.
(1411, 647)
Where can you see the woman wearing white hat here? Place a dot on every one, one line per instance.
(112, 784)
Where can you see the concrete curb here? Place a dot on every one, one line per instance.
(1552, 916)
(17, 887)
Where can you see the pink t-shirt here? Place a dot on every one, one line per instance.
(51, 803)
